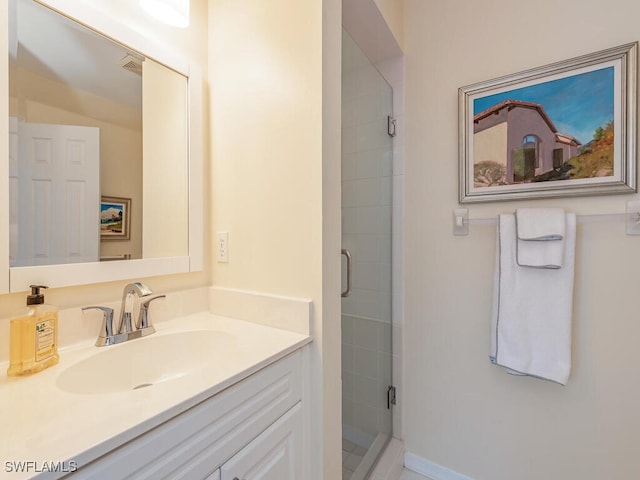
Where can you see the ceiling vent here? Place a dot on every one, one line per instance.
(132, 64)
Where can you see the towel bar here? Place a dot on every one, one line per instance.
(461, 220)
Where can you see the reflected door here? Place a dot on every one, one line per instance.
(55, 193)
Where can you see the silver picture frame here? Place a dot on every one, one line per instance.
(562, 130)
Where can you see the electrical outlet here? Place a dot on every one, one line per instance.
(222, 247)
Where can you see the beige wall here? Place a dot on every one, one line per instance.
(393, 13)
(460, 411)
(266, 126)
(275, 115)
(191, 43)
(165, 179)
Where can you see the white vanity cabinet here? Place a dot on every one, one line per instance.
(275, 454)
(252, 430)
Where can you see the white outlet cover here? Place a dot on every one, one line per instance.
(222, 247)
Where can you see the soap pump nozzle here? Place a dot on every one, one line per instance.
(36, 298)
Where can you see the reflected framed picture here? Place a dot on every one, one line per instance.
(565, 129)
(115, 218)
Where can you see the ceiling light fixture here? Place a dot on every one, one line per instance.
(171, 12)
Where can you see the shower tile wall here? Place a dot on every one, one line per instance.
(367, 205)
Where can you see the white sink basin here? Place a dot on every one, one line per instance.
(145, 362)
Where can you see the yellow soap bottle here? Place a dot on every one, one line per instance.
(33, 337)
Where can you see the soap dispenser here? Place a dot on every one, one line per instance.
(33, 336)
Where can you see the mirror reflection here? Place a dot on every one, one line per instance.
(98, 146)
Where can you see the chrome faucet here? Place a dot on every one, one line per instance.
(136, 288)
(125, 330)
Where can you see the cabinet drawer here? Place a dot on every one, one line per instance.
(196, 442)
(276, 454)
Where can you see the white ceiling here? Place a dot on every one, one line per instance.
(53, 46)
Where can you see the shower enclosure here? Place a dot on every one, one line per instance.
(367, 159)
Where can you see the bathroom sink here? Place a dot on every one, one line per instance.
(144, 362)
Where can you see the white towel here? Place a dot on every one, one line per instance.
(532, 309)
(540, 233)
(540, 223)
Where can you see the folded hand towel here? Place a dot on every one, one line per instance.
(532, 309)
(539, 254)
(540, 223)
(540, 233)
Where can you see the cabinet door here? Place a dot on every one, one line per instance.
(276, 454)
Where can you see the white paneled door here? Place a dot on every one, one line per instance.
(55, 193)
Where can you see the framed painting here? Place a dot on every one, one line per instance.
(565, 129)
(115, 218)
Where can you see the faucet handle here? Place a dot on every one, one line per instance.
(106, 331)
(143, 318)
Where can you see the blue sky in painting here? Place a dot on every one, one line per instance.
(577, 105)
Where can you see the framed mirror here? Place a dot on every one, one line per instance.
(103, 177)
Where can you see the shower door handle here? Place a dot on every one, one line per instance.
(347, 291)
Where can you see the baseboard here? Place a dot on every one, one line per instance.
(429, 469)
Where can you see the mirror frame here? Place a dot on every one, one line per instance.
(18, 279)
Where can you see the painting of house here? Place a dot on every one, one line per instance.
(517, 141)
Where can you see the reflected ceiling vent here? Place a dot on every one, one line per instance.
(133, 64)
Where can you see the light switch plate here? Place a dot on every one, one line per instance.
(633, 218)
(461, 221)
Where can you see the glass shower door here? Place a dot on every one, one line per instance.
(366, 236)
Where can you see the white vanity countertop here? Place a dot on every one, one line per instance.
(41, 423)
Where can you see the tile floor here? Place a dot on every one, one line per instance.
(352, 455)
